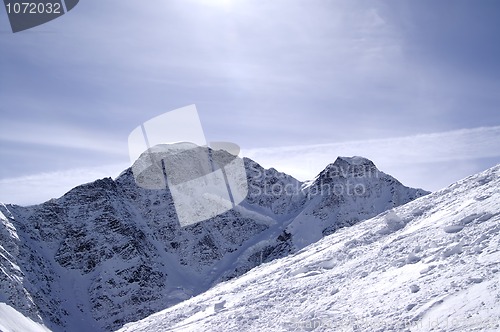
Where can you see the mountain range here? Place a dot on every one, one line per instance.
(432, 264)
(110, 252)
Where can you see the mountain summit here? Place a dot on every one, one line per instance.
(430, 265)
(111, 252)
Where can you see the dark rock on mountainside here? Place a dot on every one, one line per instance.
(110, 252)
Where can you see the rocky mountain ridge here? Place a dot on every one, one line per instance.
(109, 252)
(432, 264)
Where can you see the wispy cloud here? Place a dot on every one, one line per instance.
(37, 188)
(430, 161)
(262, 73)
(394, 155)
(60, 135)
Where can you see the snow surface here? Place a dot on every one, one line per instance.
(109, 252)
(12, 320)
(430, 265)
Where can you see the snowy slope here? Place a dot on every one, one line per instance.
(346, 192)
(12, 321)
(430, 265)
(110, 252)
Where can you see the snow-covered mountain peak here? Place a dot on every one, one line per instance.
(354, 161)
(348, 168)
(121, 249)
(430, 265)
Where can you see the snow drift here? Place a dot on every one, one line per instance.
(430, 265)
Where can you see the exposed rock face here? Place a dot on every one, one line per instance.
(110, 252)
(430, 265)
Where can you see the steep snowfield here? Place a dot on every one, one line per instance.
(109, 252)
(430, 265)
(13, 321)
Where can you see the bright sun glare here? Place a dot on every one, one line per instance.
(218, 3)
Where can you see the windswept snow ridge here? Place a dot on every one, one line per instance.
(430, 265)
(109, 252)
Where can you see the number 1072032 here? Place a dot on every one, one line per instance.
(33, 8)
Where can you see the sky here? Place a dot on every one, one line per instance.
(412, 85)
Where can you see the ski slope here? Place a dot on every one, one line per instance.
(430, 265)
